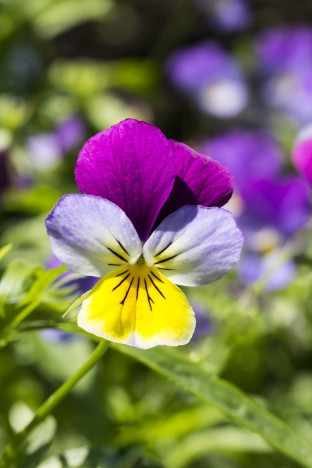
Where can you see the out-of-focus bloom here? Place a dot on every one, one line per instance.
(211, 77)
(226, 16)
(248, 154)
(70, 133)
(284, 49)
(286, 58)
(47, 149)
(203, 322)
(254, 267)
(147, 220)
(269, 207)
(302, 153)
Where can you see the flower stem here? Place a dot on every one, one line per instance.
(19, 442)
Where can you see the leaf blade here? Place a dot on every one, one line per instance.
(225, 396)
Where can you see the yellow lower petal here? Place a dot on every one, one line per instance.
(138, 306)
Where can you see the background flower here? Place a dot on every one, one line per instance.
(211, 77)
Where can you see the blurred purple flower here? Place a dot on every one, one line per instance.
(253, 267)
(203, 322)
(302, 153)
(70, 133)
(286, 58)
(282, 204)
(211, 77)
(46, 150)
(226, 15)
(284, 49)
(247, 153)
(269, 207)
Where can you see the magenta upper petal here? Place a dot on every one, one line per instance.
(132, 165)
(200, 180)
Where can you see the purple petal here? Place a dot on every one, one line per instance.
(247, 153)
(199, 181)
(130, 164)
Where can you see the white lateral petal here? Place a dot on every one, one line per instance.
(195, 245)
(91, 235)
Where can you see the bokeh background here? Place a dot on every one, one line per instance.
(231, 78)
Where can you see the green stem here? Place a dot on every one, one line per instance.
(14, 449)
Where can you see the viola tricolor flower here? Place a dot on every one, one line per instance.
(148, 218)
(211, 77)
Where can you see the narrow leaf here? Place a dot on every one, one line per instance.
(225, 396)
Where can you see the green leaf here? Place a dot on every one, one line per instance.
(225, 396)
(221, 440)
(4, 250)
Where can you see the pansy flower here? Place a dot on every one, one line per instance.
(148, 218)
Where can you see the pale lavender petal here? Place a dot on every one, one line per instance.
(130, 164)
(247, 153)
(92, 236)
(195, 245)
(199, 180)
(252, 268)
